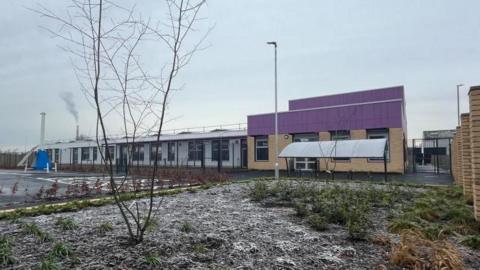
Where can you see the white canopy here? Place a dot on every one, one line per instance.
(373, 148)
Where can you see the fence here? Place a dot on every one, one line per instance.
(466, 152)
(9, 160)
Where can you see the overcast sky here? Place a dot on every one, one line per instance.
(325, 47)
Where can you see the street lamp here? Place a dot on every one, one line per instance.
(277, 174)
(458, 102)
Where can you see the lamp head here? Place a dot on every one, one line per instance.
(274, 43)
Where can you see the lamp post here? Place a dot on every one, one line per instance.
(458, 102)
(277, 174)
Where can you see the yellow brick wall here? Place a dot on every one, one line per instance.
(466, 157)
(475, 147)
(459, 157)
(283, 141)
(395, 165)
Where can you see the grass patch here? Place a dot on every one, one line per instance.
(66, 224)
(472, 241)
(60, 250)
(6, 254)
(317, 222)
(34, 229)
(200, 248)
(186, 227)
(105, 227)
(259, 191)
(152, 260)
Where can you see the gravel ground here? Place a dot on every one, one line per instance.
(229, 232)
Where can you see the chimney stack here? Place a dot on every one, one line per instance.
(77, 136)
(42, 131)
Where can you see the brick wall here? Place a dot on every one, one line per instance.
(466, 156)
(475, 147)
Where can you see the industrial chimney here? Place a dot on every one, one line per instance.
(77, 134)
(42, 131)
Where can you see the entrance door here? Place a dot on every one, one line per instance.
(244, 153)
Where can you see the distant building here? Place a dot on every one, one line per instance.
(439, 134)
(370, 114)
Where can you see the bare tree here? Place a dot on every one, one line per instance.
(108, 45)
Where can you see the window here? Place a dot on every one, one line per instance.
(85, 153)
(111, 150)
(195, 150)
(340, 135)
(74, 155)
(153, 152)
(305, 163)
(261, 148)
(138, 152)
(225, 150)
(57, 155)
(379, 134)
(171, 151)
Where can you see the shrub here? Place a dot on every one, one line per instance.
(186, 227)
(6, 255)
(317, 222)
(301, 209)
(259, 191)
(152, 225)
(66, 223)
(358, 223)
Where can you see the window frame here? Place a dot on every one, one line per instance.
(263, 148)
(305, 164)
(82, 153)
(224, 147)
(153, 147)
(340, 135)
(195, 152)
(381, 133)
(171, 151)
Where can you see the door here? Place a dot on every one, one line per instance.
(244, 153)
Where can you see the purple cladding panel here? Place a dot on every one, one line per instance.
(382, 108)
(347, 98)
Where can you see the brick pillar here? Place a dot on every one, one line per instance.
(459, 157)
(453, 155)
(466, 156)
(475, 146)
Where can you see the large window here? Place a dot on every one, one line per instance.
(195, 150)
(379, 134)
(95, 154)
(305, 163)
(261, 148)
(340, 135)
(171, 151)
(85, 153)
(138, 152)
(225, 150)
(153, 152)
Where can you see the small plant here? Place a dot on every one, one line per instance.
(186, 227)
(472, 241)
(152, 260)
(199, 248)
(61, 250)
(105, 227)
(301, 209)
(49, 263)
(33, 229)
(14, 188)
(6, 255)
(259, 191)
(66, 223)
(152, 225)
(317, 222)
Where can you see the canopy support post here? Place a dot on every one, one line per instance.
(288, 169)
(385, 165)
